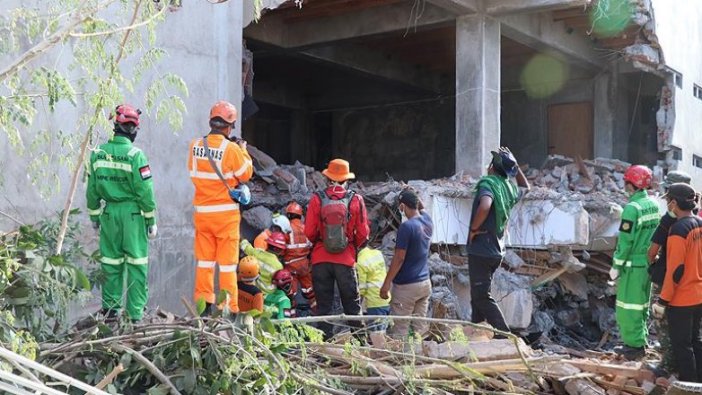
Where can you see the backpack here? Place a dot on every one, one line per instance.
(335, 218)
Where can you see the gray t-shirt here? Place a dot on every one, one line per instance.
(489, 244)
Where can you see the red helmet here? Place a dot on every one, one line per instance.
(294, 208)
(277, 239)
(283, 280)
(125, 113)
(639, 176)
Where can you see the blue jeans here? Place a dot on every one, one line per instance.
(378, 325)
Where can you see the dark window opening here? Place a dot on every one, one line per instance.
(697, 161)
(677, 77)
(677, 153)
(697, 91)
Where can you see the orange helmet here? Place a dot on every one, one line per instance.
(224, 110)
(277, 239)
(248, 269)
(294, 208)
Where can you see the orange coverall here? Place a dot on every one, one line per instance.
(297, 258)
(216, 216)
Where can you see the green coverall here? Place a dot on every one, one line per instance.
(279, 300)
(119, 175)
(639, 220)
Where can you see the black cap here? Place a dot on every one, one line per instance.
(505, 161)
(409, 198)
(681, 192)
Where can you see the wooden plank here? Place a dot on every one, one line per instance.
(491, 350)
(634, 372)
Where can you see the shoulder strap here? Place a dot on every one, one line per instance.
(212, 162)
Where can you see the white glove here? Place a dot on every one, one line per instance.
(658, 311)
(152, 231)
(614, 273)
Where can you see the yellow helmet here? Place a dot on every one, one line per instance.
(248, 269)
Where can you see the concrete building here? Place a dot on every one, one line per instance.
(411, 90)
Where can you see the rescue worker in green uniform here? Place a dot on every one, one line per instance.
(630, 264)
(119, 175)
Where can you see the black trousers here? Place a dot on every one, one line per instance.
(324, 276)
(686, 340)
(480, 270)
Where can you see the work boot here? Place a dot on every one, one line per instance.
(631, 353)
(108, 314)
(208, 310)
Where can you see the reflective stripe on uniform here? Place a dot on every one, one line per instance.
(111, 261)
(307, 290)
(104, 164)
(149, 214)
(648, 217)
(216, 208)
(632, 306)
(618, 262)
(206, 264)
(369, 261)
(295, 260)
(269, 268)
(133, 152)
(227, 268)
(300, 245)
(377, 284)
(243, 168)
(137, 261)
(210, 176)
(636, 205)
(95, 212)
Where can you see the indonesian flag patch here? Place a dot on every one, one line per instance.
(145, 172)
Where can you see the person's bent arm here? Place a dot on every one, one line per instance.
(653, 252)
(397, 260)
(522, 180)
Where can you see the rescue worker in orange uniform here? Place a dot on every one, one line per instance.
(297, 255)
(250, 296)
(217, 216)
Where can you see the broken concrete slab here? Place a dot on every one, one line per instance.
(583, 387)
(575, 284)
(513, 260)
(513, 294)
(263, 163)
(536, 223)
(492, 350)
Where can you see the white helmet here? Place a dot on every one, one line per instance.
(282, 222)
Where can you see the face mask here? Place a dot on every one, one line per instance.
(670, 211)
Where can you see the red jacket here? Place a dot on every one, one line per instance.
(357, 229)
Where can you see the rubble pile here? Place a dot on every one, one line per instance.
(592, 180)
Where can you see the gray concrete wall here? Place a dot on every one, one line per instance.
(679, 31)
(209, 60)
(414, 141)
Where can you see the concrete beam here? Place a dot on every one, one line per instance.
(458, 7)
(352, 25)
(505, 7)
(378, 65)
(539, 31)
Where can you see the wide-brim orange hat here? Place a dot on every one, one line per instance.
(338, 170)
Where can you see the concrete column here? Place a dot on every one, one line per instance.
(604, 106)
(229, 29)
(477, 91)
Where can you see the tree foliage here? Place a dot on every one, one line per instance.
(79, 57)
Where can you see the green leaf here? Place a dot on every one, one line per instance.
(201, 305)
(189, 381)
(221, 297)
(159, 390)
(126, 360)
(82, 279)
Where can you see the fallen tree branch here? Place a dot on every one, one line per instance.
(107, 380)
(149, 366)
